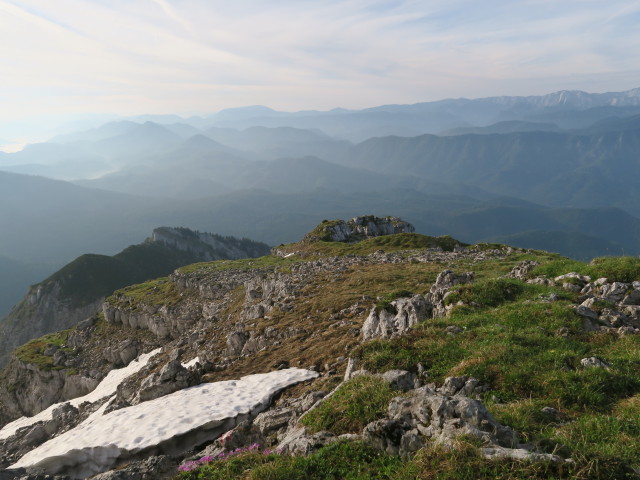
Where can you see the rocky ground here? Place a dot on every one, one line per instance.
(299, 308)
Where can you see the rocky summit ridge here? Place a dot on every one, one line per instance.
(395, 352)
(358, 228)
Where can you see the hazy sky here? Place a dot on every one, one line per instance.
(199, 56)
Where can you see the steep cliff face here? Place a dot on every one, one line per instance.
(64, 365)
(44, 309)
(34, 388)
(77, 290)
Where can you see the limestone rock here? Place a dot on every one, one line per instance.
(439, 290)
(235, 342)
(153, 468)
(614, 292)
(359, 228)
(632, 298)
(298, 442)
(171, 378)
(522, 270)
(401, 380)
(406, 313)
(498, 453)
(123, 353)
(582, 280)
(426, 415)
(594, 362)
(23, 474)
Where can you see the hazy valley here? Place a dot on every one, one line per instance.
(561, 167)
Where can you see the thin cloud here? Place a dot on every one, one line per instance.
(179, 56)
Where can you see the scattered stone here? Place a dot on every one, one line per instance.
(235, 342)
(614, 292)
(552, 412)
(552, 297)
(23, 474)
(459, 386)
(271, 421)
(627, 330)
(171, 378)
(499, 453)
(522, 270)
(572, 287)
(401, 380)
(632, 298)
(576, 277)
(299, 442)
(153, 468)
(454, 329)
(594, 362)
(540, 281)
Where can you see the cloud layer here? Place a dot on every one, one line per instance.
(153, 56)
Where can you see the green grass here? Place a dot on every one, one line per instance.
(604, 436)
(510, 342)
(338, 461)
(357, 461)
(160, 291)
(356, 403)
(387, 243)
(488, 293)
(32, 352)
(615, 269)
(268, 261)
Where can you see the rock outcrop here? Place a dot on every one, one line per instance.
(606, 306)
(397, 318)
(403, 313)
(443, 416)
(359, 228)
(35, 389)
(425, 415)
(441, 288)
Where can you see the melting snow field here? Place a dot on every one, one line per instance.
(96, 444)
(105, 388)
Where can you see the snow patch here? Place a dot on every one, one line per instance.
(105, 388)
(204, 412)
(191, 363)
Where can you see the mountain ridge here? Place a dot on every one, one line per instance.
(77, 290)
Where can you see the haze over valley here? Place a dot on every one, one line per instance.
(556, 172)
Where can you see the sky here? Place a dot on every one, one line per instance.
(188, 57)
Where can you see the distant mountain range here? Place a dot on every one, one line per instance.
(557, 172)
